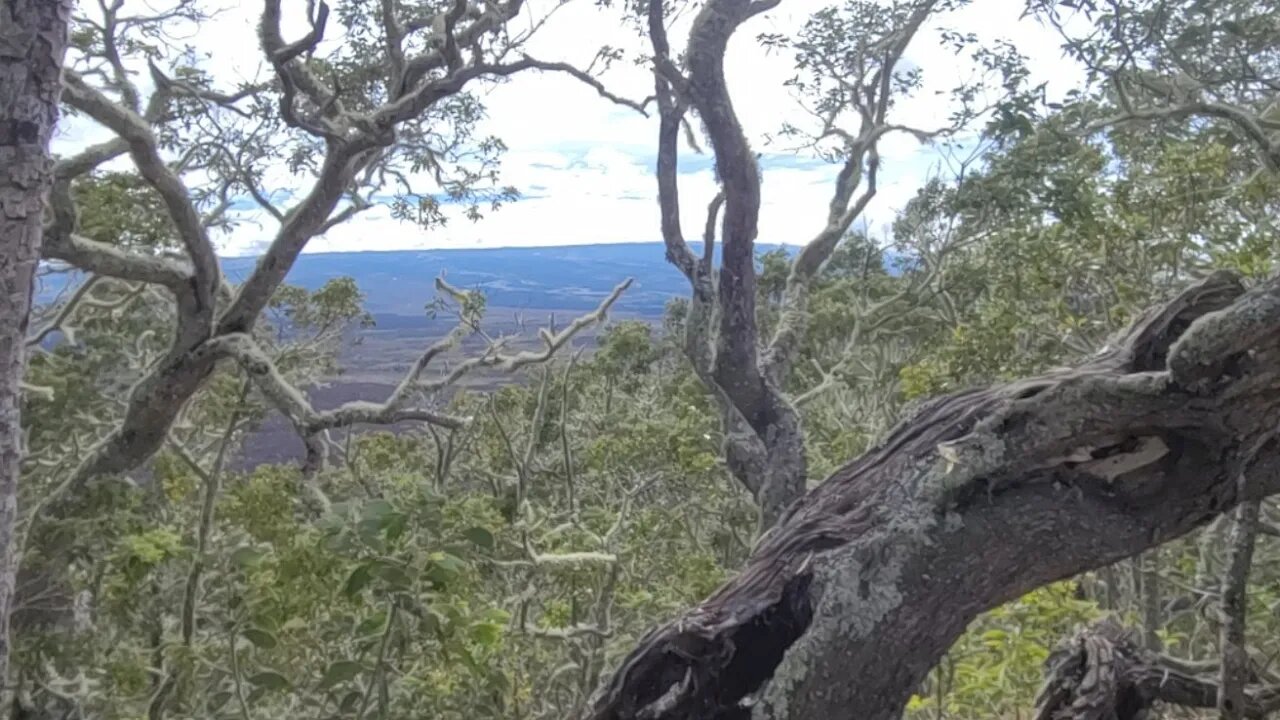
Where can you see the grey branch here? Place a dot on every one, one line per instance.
(177, 199)
(309, 422)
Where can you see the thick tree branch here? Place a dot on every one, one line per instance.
(490, 22)
(143, 147)
(111, 261)
(302, 223)
(670, 115)
(296, 78)
(978, 498)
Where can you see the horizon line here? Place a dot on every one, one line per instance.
(489, 248)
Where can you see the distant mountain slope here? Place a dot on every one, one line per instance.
(568, 278)
(573, 277)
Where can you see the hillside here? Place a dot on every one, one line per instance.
(397, 284)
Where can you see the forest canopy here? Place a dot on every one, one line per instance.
(1012, 455)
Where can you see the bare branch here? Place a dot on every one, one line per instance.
(111, 261)
(309, 422)
(64, 313)
(294, 405)
(593, 82)
(295, 77)
(176, 197)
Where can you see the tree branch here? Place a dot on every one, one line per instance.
(933, 525)
(309, 422)
(861, 164)
(736, 360)
(1101, 669)
(670, 115)
(177, 199)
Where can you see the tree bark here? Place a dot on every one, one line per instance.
(33, 41)
(1102, 674)
(745, 373)
(980, 497)
(1235, 657)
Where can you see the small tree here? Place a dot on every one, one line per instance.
(851, 74)
(388, 112)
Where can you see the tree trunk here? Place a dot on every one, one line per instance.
(1235, 657)
(33, 39)
(980, 497)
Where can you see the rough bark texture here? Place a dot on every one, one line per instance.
(978, 498)
(1102, 674)
(33, 38)
(1232, 698)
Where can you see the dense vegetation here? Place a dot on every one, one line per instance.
(499, 558)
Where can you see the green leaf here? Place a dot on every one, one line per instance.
(487, 634)
(395, 524)
(372, 624)
(247, 557)
(340, 671)
(393, 575)
(357, 580)
(450, 563)
(260, 637)
(377, 509)
(270, 679)
(480, 537)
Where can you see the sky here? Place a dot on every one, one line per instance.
(584, 165)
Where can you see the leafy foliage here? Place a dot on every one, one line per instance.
(499, 567)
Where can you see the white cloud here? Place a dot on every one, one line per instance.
(585, 165)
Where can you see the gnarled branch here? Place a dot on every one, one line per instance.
(1103, 673)
(978, 498)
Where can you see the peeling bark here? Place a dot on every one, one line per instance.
(33, 41)
(980, 497)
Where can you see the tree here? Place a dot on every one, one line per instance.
(371, 117)
(850, 74)
(976, 499)
(33, 40)
(503, 581)
(1158, 62)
